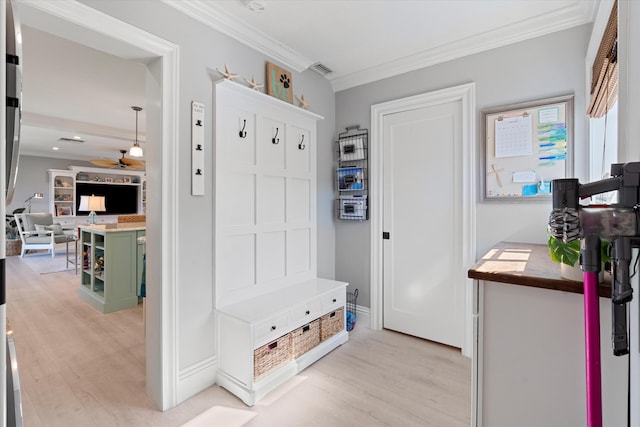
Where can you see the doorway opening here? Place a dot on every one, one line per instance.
(98, 30)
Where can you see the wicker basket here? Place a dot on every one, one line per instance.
(271, 355)
(305, 338)
(13, 247)
(331, 324)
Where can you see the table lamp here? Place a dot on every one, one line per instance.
(93, 204)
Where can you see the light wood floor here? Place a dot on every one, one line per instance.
(79, 367)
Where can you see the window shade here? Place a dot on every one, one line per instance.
(604, 74)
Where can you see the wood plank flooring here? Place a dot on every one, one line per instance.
(79, 367)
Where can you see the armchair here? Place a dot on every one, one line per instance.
(37, 231)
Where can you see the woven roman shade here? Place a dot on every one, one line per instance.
(604, 74)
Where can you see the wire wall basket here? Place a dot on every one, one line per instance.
(351, 309)
(352, 154)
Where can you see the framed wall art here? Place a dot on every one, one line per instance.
(526, 146)
(279, 83)
(63, 211)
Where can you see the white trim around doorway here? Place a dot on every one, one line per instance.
(466, 94)
(100, 29)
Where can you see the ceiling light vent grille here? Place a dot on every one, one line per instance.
(321, 69)
(71, 140)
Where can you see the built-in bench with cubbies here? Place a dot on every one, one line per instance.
(274, 317)
(265, 341)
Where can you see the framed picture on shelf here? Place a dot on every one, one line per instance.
(63, 211)
(279, 83)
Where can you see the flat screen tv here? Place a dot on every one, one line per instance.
(118, 199)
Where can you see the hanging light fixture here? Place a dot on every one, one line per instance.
(136, 150)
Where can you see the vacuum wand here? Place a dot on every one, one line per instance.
(591, 262)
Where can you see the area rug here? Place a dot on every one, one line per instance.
(70, 269)
(43, 263)
(221, 416)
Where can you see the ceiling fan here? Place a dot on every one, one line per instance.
(123, 162)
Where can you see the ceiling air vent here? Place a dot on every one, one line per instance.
(321, 69)
(71, 140)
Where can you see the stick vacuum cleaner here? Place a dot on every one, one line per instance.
(618, 225)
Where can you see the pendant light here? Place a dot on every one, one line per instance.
(136, 150)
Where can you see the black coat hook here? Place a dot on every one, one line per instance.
(274, 140)
(243, 133)
(301, 145)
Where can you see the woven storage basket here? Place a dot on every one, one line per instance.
(271, 355)
(305, 338)
(331, 324)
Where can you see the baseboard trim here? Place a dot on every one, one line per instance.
(196, 378)
(363, 317)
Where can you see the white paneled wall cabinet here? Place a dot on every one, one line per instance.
(265, 243)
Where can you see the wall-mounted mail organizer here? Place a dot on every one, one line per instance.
(352, 152)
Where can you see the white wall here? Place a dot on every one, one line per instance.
(547, 66)
(201, 52)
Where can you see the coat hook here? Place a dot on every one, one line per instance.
(243, 133)
(274, 140)
(301, 145)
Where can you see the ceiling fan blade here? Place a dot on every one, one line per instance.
(142, 165)
(132, 163)
(104, 163)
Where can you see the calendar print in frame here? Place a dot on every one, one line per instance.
(526, 146)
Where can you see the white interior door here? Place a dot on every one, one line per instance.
(422, 214)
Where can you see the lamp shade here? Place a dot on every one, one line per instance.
(92, 203)
(136, 150)
(35, 196)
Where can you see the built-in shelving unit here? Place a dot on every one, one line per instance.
(63, 190)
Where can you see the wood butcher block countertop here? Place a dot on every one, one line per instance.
(115, 227)
(526, 264)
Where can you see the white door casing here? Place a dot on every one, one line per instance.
(102, 31)
(466, 191)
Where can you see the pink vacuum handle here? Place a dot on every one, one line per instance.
(592, 349)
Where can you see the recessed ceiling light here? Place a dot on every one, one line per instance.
(55, 148)
(77, 137)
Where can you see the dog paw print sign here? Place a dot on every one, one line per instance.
(279, 83)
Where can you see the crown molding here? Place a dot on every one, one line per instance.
(207, 12)
(568, 17)
(214, 17)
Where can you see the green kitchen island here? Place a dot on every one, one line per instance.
(111, 265)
